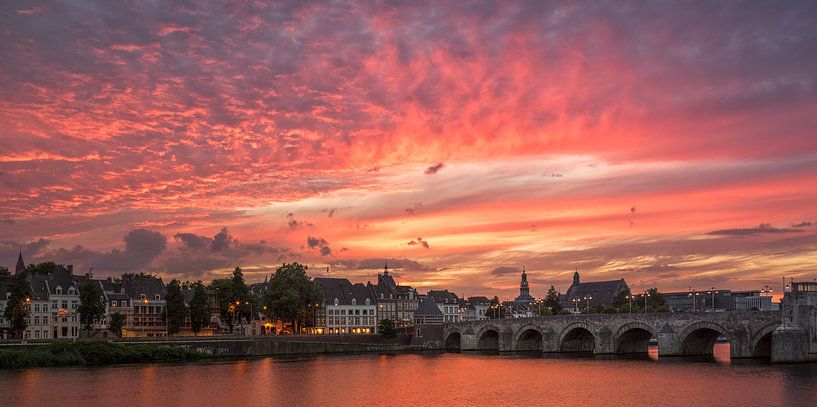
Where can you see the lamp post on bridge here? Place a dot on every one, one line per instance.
(646, 294)
(630, 298)
(712, 291)
(587, 299)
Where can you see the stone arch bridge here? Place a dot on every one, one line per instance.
(678, 334)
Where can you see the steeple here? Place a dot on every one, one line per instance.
(386, 268)
(576, 277)
(20, 264)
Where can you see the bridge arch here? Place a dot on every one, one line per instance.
(698, 338)
(577, 337)
(762, 341)
(488, 338)
(453, 341)
(633, 337)
(529, 338)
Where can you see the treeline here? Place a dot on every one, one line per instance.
(92, 353)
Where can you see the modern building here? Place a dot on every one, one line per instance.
(595, 293)
(448, 303)
(146, 295)
(693, 300)
(348, 308)
(754, 300)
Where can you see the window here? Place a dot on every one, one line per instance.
(45, 307)
(354, 301)
(336, 301)
(142, 297)
(36, 307)
(114, 303)
(156, 297)
(58, 290)
(367, 301)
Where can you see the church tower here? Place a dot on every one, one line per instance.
(20, 264)
(576, 278)
(524, 297)
(524, 289)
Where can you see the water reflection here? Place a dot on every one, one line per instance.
(472, 378)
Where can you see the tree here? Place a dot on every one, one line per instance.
(222, 290)
(16, 312)
(4, 272)
(386, 328)
(91, 307)
(552, 300)
(116, 323)
(290, 293)
(45, 267)
(496, 310)
(176, 312)
(545, 312)
(240, 294)
(199, 309)
(621, 298)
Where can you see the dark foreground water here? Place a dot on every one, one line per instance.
(449, 379)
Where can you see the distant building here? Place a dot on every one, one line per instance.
(595, 293)
(147, 296)
(428, 313)
(448, 303)
(63, 292)
(394, 302)
(524, 298)
(475, 308)
(753, 300)
(349, 308)
(693, 300)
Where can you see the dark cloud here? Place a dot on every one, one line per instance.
(10, 249)
(8, 222)
(331, 213)
(653, 268)
(321, 243)
(377, 264)
(503, 270)
(802, 225)
(294, 223)
(201, 254)
(763, 228)
(142, 246)
(434, 168)
(419, 242)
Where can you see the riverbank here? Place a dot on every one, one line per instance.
(93, 353)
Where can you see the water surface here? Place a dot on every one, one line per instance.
(431, 379)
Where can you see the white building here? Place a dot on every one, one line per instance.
(449, 305)
(348, 308)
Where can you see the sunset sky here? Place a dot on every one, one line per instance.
(673, 145)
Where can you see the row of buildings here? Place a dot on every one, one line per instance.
(347, 308)
(55, 297)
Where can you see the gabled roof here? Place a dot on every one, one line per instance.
(344, 291)
(61, 277)
(427, 308)
(443, 297)
(479, 300)
(136, 285)
(602, 292)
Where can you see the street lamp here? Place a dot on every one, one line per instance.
(630, 298)
(694, 297)
(646, 294)
(144, 315)
(712, 291)
(587, 298)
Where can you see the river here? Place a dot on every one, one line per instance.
(427, 379)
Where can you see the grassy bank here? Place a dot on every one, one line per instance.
(92, 353)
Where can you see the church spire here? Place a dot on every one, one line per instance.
(20, 264)
(386, 268)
